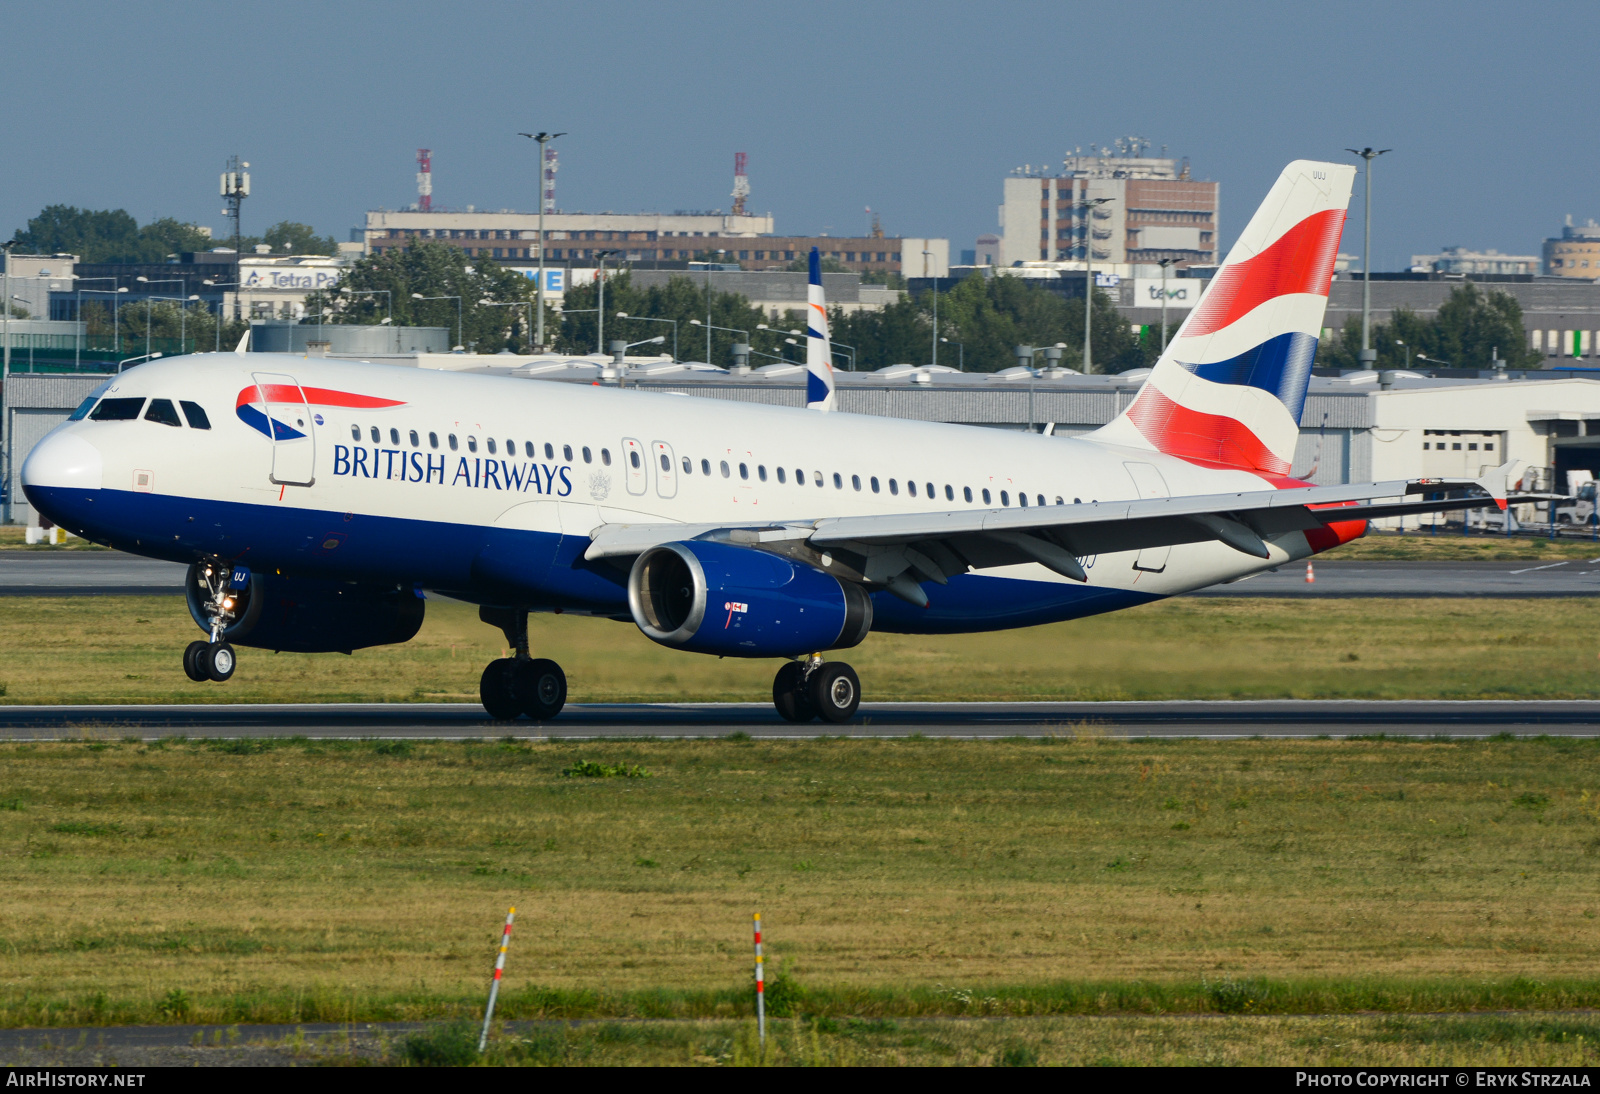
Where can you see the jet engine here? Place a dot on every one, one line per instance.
(737, 602)
(309, 615)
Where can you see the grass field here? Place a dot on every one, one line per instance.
(240, 881)
(126, 650)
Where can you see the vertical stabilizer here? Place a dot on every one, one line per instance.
(819, 366)
(1229, 389)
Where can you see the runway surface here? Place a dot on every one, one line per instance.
(112, 573)
(975, 721)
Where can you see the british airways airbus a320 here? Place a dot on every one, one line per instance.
(316, 500)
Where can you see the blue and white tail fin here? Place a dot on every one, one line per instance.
(819, 352)
(1229, 389)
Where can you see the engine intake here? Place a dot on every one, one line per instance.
(312, 615)
(738, 602)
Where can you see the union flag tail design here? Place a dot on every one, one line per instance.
(1229, 390)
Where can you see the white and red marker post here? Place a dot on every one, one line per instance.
(494, 988)
(761, 990)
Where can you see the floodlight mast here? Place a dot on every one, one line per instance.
(543, 139)
(1369, 356)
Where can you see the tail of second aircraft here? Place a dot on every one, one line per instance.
(1229, 389)
(819, 350)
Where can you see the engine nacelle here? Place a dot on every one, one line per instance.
(311, 615)
(738, 602)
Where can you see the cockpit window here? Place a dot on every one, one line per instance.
(117, 410)
(83, 410)
(162, 410)
(196, 414)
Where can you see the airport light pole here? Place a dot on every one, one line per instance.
(527, 330)
(600, 319)
(851, 356)
(388, 300)
(1368, 355)
(543, 139)
(459, 344)
(961, 354)
(649, 319)
(223, 285)
(116, 316)
(1088, 206)
(1165, 264)
(926, 257)
(731, 330)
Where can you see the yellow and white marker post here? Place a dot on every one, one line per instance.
(761, 990)
(494, 989)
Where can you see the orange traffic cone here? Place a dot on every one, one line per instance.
(1311, 575)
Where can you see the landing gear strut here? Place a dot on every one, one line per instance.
(812, 688)
(214, 660)
(520, 685)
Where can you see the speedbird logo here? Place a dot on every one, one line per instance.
(289, 403)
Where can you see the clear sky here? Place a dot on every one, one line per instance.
(918, 110)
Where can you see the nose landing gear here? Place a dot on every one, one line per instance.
(520, 684)
(809, 689)
(214, 660)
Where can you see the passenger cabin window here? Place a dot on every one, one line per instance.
(666, 464)
(587, 458)
(377, 438)
(744, 471)
(83, 410)
(874, 484)
(761, 472)
(705, 467)
(986, 500)
(688, 467)
(838, 481)
(725, 471)
(605, 457)
(816, 477)
(433, 440)
(355, 433)
(117, 410)
(633, 458)
(549, 451)
(511, 448)
(472, 444)
(527, 448)
(966, 492)
(416, 441)
(452, 439)
(394, 437)
(196, 414)
(782, 476)
(162, 410)
(491, 446)
(566, 452)
(855, 481)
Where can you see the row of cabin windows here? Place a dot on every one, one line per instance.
(161, 411)
(531, 451)
(491, 445)
(930, 491)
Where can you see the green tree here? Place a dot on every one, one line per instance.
(682, 298)
(991, 317)
(106, 235)
(435, 270)
(292, 237)
(1470, 326)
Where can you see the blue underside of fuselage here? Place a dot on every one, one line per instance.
(538, 570)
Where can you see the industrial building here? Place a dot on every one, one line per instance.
(510, 237)
(1146, 210)
(1575, 252)
(1460, 260)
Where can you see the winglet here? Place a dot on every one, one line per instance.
(244, 343)
(819, 366)
(1497, 483)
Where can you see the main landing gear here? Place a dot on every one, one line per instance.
(520, 685)
(214, 660)
(813, 688)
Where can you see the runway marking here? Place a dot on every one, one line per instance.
(1551, 566)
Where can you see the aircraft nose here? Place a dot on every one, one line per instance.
(62, 461)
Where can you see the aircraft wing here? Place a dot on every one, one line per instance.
(899, 550)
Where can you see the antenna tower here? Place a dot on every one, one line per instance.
(547, 189)
(741, 184)
(425, 180)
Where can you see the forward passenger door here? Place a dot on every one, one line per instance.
(633, 462)
(666, 470)
(294, 446)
